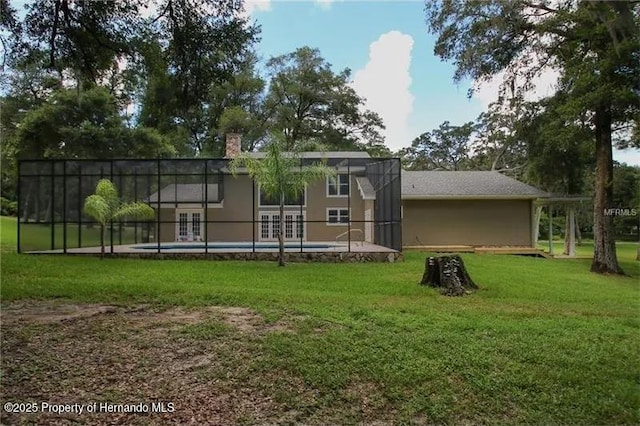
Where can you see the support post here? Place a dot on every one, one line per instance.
(536, 225)
(572, 231)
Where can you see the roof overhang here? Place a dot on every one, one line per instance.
(469, 197)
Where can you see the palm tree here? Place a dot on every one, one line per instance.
(105, 206)
(281, 176)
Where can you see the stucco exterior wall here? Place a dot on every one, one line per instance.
(238, 207)
(317, 205)
(466, 222)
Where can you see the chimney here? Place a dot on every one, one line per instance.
(233, 145)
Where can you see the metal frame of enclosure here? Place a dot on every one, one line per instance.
(51, 196)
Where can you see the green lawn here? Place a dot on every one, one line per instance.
(626, 250)
(544, 341)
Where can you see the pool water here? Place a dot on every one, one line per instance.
(233, 246)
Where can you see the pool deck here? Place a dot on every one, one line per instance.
(355, 252)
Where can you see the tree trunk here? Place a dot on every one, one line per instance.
(281, 233)
(448, 274)
(604, 244)
(578, 233)
(102, 231)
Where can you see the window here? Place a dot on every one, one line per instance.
(299, 226)
(270, 225)
(264, 227)
(288, 226)
(195, 224)
(338, 186)
(182, 226)
(288, 201)
(337, 217)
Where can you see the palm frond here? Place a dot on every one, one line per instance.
(135, 210)
(97, 207)
(107, 190)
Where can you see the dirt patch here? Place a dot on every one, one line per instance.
(48, 312)
(64, 353)
(44, 312)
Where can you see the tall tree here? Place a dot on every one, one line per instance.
(81, 38)
(193, 46)
(595, 46)
(238, 106)
(281, 176)
(310, 101)
(84, 125)
(444, 148)
(497, 145)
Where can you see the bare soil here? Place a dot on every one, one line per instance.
(64, 353)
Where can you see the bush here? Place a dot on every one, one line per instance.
(8, 207)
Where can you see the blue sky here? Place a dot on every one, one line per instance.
(389, 50)
(344, 32)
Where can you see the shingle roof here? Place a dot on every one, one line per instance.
(365, 188)
(320, 154)
(464, 184)
(185, 193)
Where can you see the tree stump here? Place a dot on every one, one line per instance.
(448, 274)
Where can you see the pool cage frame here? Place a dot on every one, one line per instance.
(51, 195)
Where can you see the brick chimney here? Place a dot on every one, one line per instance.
(233, 145)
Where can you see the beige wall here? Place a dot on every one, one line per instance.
(317, 205)
(237, 206)
(466, 222)
(167, 230)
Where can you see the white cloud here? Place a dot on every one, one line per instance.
(251, 6)
(385, 83)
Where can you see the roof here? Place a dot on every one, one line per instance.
(365, 188)
(464, 185)
(185, 193)
(320, 154)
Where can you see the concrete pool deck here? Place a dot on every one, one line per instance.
(330, 252)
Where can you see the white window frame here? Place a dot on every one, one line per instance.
(268, 225)
(339, 210)
(189, 213)
(330, 179)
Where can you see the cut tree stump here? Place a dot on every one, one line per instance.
(448, 274)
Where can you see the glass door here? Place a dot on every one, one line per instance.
(188, 225)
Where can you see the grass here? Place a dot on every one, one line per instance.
(35, 236)
(543, 342)
(625, 249)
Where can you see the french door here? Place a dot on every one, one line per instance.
(270, 226)
(189, 225)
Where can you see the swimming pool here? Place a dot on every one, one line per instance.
(236, 246)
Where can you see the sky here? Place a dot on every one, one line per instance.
(389, 50)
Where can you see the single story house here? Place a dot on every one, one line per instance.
(471, 208)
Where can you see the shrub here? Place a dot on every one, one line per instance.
(8, 207)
